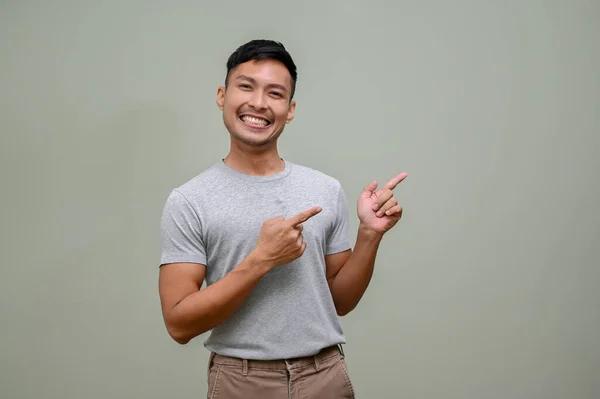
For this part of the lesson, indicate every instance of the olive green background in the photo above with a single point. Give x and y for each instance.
(488, 287)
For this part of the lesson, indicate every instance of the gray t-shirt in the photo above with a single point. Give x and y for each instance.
(215, 218)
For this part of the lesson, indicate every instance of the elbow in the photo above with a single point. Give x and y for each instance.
(342, 308)
(181, 340)
(178, 335)
(343, 311)
(184, 334)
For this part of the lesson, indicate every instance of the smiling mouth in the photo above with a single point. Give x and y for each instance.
(253, 121)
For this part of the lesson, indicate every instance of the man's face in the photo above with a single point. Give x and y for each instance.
(256, 103)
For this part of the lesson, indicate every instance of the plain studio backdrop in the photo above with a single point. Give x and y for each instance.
(488, 287)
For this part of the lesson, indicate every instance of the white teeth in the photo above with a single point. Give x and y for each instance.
(254, 121)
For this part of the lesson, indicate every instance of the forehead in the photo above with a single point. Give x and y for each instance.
(264, 72)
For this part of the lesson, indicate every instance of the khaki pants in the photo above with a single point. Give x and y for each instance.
(323, 376)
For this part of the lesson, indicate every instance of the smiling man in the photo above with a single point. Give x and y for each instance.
(270, 238)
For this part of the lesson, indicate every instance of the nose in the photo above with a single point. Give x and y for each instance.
(257, 100)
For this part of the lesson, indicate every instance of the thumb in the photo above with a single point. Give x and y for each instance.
(370, 189)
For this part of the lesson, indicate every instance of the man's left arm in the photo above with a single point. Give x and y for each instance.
(349, 272)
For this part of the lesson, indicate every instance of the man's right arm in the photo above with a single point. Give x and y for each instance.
(189, 311)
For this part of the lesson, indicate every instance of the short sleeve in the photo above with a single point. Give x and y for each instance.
(338, 240)
(181, 232)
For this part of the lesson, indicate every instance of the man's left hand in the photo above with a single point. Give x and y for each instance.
(379, 210)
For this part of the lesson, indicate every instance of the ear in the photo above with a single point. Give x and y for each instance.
(291, 111)
(221, 97)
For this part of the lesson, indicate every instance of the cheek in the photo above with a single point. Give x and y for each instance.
(230, 108)
(233, 99)
(281, 113)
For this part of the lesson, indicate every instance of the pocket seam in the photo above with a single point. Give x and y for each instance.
(215, 389)
(347, 376)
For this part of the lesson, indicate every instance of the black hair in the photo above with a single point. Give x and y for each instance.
(262, 49)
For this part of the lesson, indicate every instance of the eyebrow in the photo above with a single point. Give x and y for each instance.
(253, 81)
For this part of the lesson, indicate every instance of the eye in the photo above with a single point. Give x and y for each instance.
(276, 94)
(244, 86)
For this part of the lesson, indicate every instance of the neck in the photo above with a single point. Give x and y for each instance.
(255, 163)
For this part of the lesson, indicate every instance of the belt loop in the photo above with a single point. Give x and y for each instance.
(244, 367)
(316, 360)
(341, 350)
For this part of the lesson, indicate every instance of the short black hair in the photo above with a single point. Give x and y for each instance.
(262, 49)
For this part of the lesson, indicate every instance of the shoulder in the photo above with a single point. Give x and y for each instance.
(187, 197)
(197, 185)
(316, 177)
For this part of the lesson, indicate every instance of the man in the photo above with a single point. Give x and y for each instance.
(271, 240)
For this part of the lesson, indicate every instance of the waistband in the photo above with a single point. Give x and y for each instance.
(286, 364)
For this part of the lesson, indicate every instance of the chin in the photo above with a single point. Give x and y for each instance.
(252, 139)
(256, 136)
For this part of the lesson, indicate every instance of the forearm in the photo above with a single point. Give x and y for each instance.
(203, 310)
(352, 280)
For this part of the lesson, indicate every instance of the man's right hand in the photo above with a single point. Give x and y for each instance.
(280, 241)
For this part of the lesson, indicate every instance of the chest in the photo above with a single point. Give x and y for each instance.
(231, 226)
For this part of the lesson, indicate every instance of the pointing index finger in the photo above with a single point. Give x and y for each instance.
(393, 182)
(304, 216)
